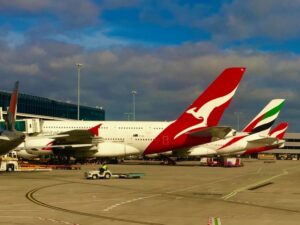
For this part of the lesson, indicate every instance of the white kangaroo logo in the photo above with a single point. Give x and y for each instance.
(203, 112)
(196, 114)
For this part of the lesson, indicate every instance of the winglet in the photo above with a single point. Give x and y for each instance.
(11, 112)
(279, 131)
(95, 130)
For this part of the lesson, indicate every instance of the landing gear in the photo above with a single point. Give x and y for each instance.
(168, 160)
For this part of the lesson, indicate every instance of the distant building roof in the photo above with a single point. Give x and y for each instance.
(36, 105)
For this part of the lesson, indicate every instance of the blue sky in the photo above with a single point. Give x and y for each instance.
(169, 51)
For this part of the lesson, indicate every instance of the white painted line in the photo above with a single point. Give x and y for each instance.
(128, 202)
(252, 185)
(171, 192)
(259, 170)
(182, 189)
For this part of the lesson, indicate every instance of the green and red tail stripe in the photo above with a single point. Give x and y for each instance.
(266, 118)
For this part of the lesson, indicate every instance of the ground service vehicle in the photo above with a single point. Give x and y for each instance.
(95, 174)
(9, 162)
(232, 162)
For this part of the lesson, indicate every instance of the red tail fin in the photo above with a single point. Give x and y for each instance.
(205, 111)
(279, 131)
(12, 110)
(208, 108)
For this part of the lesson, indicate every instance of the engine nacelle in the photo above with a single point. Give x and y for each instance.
(25, 155)
(38, 145)
(109, 149)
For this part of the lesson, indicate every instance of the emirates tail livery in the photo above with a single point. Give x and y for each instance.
(196, 125)
(254, 135)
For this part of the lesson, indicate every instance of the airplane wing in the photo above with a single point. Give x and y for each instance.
(74, 137)
(218, 132)
(37, 148)
(49, 136)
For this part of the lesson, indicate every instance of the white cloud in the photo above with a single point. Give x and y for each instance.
(167, 79)
(22, 69)
(238, 20)
(92, 41)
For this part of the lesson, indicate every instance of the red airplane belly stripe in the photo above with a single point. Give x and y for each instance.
(234, 140)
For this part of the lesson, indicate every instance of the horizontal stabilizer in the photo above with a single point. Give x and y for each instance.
(217, 132)
(265, 141)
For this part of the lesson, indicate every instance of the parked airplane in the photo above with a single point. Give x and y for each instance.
(10, 138)
(196, 125)
(254, 135)
(41, 145)
(275, 140)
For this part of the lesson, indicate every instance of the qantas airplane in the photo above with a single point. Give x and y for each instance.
(10, 138)
(254, 136)
(196, 125)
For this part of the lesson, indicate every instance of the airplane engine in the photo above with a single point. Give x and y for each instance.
(109, 149)
(38, 146)
(25, 155)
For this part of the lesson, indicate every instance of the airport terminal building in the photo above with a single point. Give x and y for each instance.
(292, 145)
(45, 108)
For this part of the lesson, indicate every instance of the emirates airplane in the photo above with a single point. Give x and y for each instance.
(256, 135)
(275, 140)
(196, 125)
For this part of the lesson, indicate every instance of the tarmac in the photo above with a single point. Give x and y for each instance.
(186, 194)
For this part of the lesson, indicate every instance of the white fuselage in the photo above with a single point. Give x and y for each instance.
(119, 138)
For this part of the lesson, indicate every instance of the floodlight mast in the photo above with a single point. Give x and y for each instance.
(79, 66)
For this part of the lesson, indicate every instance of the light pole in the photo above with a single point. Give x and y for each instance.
(78, 65)
(133, 104)
(128, 114)
(238, 117)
